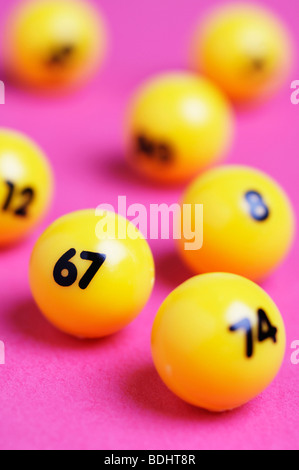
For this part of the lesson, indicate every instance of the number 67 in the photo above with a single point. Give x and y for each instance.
(64, 264)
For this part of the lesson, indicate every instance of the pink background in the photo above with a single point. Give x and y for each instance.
(57, 392)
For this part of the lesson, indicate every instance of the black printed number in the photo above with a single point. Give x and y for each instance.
(246, 326)
(27, 195)
(265, 330)
(61, 55)
(10, 187)
(65, 272)
(258, 209)
(97, 260)
(157, 151)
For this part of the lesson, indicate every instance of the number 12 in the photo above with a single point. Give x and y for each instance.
(27, 195)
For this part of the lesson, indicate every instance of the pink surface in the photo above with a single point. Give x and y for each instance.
(57, 392)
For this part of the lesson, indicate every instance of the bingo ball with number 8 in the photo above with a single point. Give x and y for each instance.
(25, 186)
(218, 341)
(177, 124)
(248, 223)
(91, 274)
(54, 44)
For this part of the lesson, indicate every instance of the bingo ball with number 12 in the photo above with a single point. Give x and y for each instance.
(218, 341)
(91, 274)
(25, 186)
(248, 223)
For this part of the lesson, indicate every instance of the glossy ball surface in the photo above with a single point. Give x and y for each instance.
(26, 186)
(245, 49)
(177, 124)
(54, 44)
(89, 278)
(218, 341)
(248, 222)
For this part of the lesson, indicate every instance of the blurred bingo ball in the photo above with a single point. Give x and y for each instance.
(25, 186)
(177, 124)
(54, 44)
(245, 49)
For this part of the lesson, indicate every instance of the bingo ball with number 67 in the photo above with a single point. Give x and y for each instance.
(25, 186)
(91, 273)
(218, 341)
(248, 223)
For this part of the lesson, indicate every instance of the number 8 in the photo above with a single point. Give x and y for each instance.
(258, 209)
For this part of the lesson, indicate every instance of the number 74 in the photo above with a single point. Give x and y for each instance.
(265, 330)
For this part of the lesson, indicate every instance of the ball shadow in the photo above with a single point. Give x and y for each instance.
(23, 243)
(112, 165)
(146, 390)
(26, 319)
(26, 91)
(170, 270)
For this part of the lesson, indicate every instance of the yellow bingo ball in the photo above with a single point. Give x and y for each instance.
(91, 274)
(177, 124)
(218, 341)
(25, 186)
(245, 49)
(248, 222)
(53, 44)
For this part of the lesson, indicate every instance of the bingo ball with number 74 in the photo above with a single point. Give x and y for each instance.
(218, 341)
(91, 273)
(25, 186)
